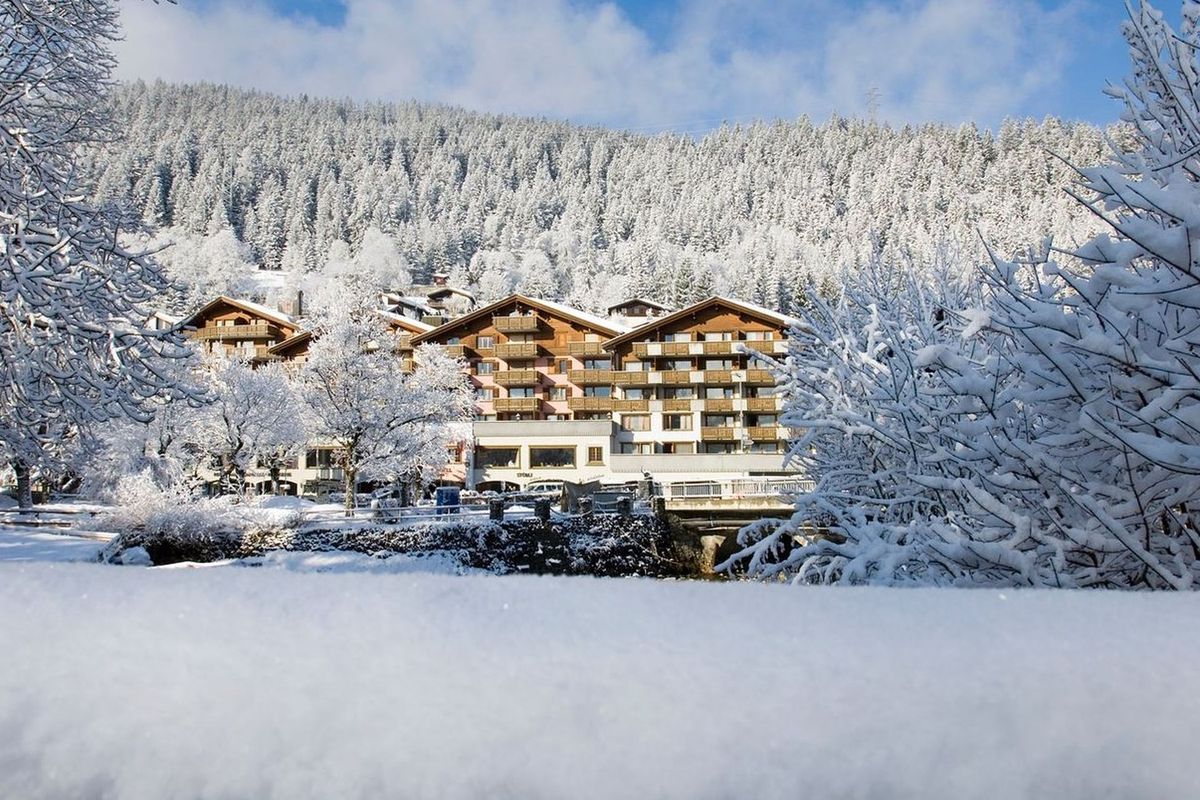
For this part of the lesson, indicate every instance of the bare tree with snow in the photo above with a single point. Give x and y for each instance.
(73, 301)
(385, 423)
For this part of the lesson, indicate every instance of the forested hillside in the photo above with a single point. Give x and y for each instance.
(586, 214)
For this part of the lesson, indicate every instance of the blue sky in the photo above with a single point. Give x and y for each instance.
(654, 65)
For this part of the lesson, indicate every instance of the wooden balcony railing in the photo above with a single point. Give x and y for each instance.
(631, 405)
(765, 433)
(717, 434)
(761, 377)
(517, 323)
(585, 348)
(762, 404)
(516, 377)
(718, 376)
(455, 350)
(515, 350)
(677, 376)
(677, 405)
(630, 378)
(517, 404)
(590, 377)
(590, 403)
(253, 331)
(719, 404)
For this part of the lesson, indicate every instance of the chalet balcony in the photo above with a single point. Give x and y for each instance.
(254, 331)
(676, 405)
(631, 405)
(712, 434)
(760, 377)
(585, 348)
(455, 350)
(407, 365)
(760, 404)
(590, 403)
(765, 433)
(517, 323)
(718, 376)
(677, 376)
(590, 377)
(511, 351)
(404, 341)
(520, 405)
(516, 377)
(724, 404)
(630, 378)
(717, 348)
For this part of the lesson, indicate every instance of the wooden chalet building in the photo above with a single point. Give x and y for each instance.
(239, 327)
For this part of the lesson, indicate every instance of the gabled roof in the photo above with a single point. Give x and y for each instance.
(290, 343)
(407, 323)
(600, 324)
(638, 301)
(761, 312)
(277, 317)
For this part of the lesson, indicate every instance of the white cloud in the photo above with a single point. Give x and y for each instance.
(945, 60)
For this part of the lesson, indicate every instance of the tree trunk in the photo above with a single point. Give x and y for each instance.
(24, 487)
(275, 470)
(351, 485)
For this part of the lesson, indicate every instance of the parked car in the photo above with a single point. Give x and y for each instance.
(544, 488)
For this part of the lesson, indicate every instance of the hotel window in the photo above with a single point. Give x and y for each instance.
(637, 448)
(762, 391)
(484, 367)
(719, 420)
(766, 447)
(485, 342)
(520, 338)
(717, 392)
(720, 447)
(677, 422)
(677, 337)
(679, 448)
(595, 455)
(756, 361)
(485, 393)
(718, 336)
(521, 391)
(555, 457)
(681, 364)
(764, 421)
(718, 363)
(558, 393)
(679, 393)
(597, 391)
(637, 366)
(556, 417)
(597, 363)
(760, 336)
(634, 393)
(636, 422)
(564, 364)
(498, 457)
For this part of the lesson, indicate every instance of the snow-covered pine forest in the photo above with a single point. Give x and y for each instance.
(586, 215)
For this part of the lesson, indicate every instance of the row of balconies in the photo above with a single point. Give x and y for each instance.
(521, 323)
(251, 331)
(760, 433)
(653, 349)
(716, 405)
(605, 377)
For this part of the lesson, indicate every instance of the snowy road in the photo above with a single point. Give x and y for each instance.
(128, 683)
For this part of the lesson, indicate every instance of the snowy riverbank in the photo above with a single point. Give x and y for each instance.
(129, 683)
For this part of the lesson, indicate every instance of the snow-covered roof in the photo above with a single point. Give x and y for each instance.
(750, 308)
(637, 301)
(246, 305)
(591, 319)
(602, 324)
(415, 325)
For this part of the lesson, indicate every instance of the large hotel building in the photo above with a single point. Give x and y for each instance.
(561, 394)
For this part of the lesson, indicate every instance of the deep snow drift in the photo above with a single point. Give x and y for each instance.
(254, 683)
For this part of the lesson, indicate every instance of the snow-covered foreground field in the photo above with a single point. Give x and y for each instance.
(122, 682)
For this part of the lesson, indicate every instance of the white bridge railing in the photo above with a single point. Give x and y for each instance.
(736, 489)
